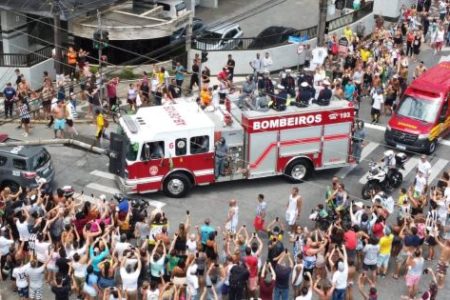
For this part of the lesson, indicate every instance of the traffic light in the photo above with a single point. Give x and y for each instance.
(339, 4)
(100, 39)
(204, 56)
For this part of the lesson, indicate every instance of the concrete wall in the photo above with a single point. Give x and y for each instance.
(283, 56)
(387, 8)
(14, 40)
(33, 74)
(209, 3)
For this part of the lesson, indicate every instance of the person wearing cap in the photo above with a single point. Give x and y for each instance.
(289, 82)
(305, 94)
(325, 94)
(281, 98)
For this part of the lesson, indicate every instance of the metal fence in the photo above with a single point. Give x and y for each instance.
(25, 60)
(271, 40)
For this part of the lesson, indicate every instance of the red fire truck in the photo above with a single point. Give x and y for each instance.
(172, 148)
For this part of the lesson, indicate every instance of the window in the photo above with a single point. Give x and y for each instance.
(230, 34)
(180, 147)
(199, 144)
(19, 164)
(153, 150)
(41, 159)
(165, 6)
(419, 109)
(3, 160)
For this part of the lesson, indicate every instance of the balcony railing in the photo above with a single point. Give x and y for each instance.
(264, 42)
(25, 60)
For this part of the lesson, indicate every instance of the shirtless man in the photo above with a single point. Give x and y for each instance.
(444, 261)
(420, 69)
(325, 292)
(59, 113)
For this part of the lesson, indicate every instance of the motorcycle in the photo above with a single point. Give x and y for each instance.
(383, 178)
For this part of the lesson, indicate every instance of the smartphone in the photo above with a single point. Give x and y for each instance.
(187, 212)
(285, 250)
(276, 219)
(244, 226)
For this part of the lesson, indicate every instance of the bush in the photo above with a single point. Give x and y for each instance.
(93, 69)
(127, 74)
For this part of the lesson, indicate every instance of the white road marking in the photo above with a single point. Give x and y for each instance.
(103, 174)
(343, 172)
(102, 188)
(409, 166)
(437, 168)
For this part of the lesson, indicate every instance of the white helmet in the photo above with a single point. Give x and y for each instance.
(389, 153)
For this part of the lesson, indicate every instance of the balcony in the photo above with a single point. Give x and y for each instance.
(25, 60)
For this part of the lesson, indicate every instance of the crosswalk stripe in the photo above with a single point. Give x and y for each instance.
(103, 174)
(437, 168)
(409, 166)
(102, 188)
(154, 203)
(343, 172)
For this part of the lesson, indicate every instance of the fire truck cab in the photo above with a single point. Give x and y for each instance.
(173, 148)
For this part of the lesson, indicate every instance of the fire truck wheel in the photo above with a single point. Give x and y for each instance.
(177, 185)
(298, 170)
(431, 147)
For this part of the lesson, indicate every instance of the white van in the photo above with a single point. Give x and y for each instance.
(172, 9)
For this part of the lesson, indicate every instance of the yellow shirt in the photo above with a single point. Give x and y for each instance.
(205, 98)
(402, 198)
(365, 54)
(100, 121)
(385, 244)
(348, 33)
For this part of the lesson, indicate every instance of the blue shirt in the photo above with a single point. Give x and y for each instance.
(205, 231)
(349, 90)
(9, 92)
(96, 259)
(179, 75)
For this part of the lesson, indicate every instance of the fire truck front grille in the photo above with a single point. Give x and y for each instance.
(403, 137)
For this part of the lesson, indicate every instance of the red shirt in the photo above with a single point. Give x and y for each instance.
(252, 265)
(377, 230)
(266, 291)
(350, 240)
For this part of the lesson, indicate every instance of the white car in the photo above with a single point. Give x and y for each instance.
(221, 38)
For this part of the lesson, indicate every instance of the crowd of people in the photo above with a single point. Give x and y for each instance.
(120, 249)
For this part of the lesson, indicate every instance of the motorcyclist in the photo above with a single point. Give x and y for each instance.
(389, 160)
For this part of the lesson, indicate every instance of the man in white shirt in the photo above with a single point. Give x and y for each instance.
(130, 276)
(377, 102)
(35, 274)
(419, 183)
(5, 244)
(424, 166)
(340, 276)
(22, 228)
(257, 66)
(267, 62)
(42, 248)
(192, 281)
(121, 246)
(19, 273)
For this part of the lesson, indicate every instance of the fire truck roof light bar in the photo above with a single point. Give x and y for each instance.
(131, 125)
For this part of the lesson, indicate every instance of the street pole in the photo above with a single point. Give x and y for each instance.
(100, 46)
(322, 22)
(57, 37)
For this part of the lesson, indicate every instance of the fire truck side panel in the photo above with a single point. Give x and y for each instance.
(263, 152)
(300, 141)
(336, 144)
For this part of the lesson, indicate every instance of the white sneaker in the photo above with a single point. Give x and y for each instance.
(25, 134)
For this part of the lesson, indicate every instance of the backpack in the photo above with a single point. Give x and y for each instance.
(238, 277)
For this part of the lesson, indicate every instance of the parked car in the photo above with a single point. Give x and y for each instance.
(24, 165)
(172, 9)
(198, 27)
(221, 38)
(273, 35)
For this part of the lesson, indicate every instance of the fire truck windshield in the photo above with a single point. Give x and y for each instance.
(133, 148)
(419, 109)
